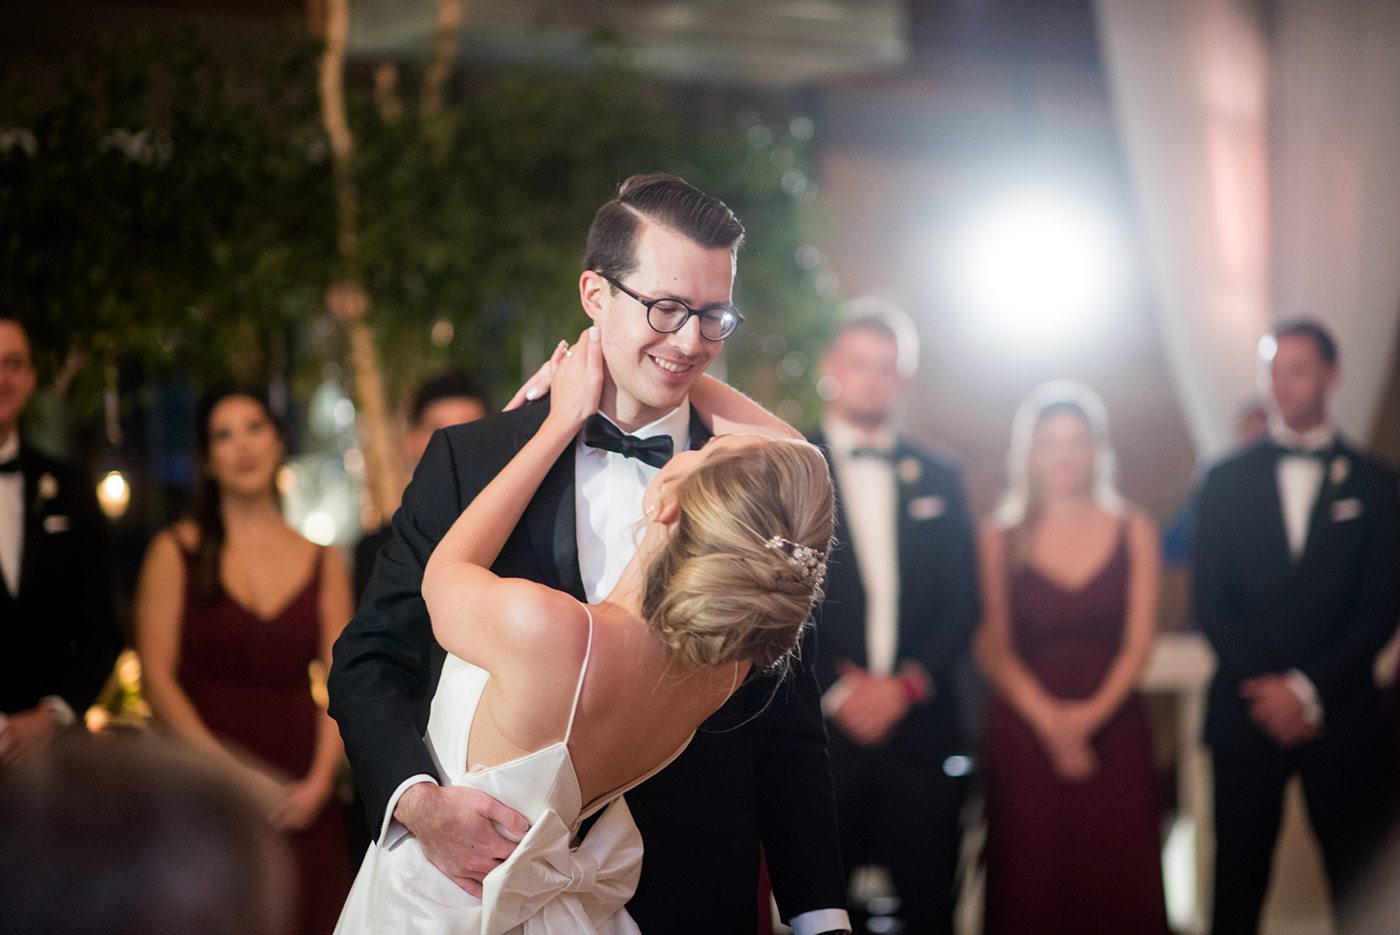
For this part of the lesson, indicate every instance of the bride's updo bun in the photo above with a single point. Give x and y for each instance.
(744, 566)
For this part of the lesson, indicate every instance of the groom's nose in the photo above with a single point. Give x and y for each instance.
(688, 340)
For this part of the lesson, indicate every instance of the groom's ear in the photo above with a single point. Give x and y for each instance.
(591, 288)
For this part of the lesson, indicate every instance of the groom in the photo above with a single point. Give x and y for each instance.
(757, 771)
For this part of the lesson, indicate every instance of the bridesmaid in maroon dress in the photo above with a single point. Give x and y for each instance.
(1070, 576)
(233, 609)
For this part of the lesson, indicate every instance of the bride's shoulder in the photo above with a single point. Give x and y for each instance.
(541, 622)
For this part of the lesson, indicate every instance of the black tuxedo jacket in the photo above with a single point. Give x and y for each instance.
(1326, 614)
(366, 551)
(757, 770)
(59, 632)
(939, 601)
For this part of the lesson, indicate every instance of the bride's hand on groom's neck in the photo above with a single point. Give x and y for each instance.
(576, 382)
(542, 382)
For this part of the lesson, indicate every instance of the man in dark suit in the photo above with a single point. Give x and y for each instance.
(447, 398)
(901, 604)
(1297, 585)
(57, 627)
(756, 771)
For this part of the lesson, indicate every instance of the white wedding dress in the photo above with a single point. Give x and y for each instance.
(550, 883)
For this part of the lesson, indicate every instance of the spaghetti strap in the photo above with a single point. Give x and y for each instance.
(583, 670)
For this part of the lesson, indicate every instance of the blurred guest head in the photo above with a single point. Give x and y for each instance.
(16, 374)
(240, 447)
(128, 836)
(658, 251)
(1059, 448)
(447, 398)
(1251, 422)
(1302, 372)
(872, 356)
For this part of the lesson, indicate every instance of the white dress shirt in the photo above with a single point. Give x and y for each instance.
(870, 501)
(608, 490)
(11, 518)
(1300, 480)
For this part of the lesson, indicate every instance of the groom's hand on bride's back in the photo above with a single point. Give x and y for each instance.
(460, 830)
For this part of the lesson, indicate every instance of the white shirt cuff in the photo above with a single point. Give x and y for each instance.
(392, 829)
(820, 920)
(63, 716)
(836, 696)
(1306, 691)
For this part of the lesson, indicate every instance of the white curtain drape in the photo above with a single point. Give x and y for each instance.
(1334, 149)
(1260, 166)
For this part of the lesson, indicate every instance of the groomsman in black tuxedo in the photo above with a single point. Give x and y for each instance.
(58, 634)
(657, 283)
(901, 604)
(1297, 585)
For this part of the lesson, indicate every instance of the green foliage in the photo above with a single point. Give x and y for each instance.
(168, 208)
(174, 205)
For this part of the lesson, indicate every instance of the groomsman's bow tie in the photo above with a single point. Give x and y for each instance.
(9, 467)
(1292, 451)
(867, 451)
(598, 432)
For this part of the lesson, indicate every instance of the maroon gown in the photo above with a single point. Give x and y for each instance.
(1077, 858)
(247, 677)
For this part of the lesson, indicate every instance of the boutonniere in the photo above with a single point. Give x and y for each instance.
(909, 470)
(930, 507)
(1338, 470)
(45, 490)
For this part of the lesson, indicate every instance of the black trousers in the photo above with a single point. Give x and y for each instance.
(1344, 786)
(904, 814)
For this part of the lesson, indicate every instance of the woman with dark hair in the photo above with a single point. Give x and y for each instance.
(1070, 575)
(233, 610)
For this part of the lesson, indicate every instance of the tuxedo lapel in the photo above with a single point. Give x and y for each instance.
(1322, 505)
(31, 544)
(1271, 505)
(905, 491)
(698, 433)
(844, 541)
(551, 523)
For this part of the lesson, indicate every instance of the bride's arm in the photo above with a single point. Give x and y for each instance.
(726, 411)
(466, 602)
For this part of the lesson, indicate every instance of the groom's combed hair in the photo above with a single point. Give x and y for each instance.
(668, 201)
(715, 593)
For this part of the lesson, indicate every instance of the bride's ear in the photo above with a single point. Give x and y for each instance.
(669, 513)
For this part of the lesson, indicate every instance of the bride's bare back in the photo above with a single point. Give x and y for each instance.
(638, 705)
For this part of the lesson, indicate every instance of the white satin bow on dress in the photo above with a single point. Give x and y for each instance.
(554, 887)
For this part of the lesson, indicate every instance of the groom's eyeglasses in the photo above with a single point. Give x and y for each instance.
(668, 316)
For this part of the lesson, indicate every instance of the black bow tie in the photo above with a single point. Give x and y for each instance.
(866, 451)
(9, 467)
(598, 432)
(1320, 454)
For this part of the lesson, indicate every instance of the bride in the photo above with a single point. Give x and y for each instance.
(557, 708)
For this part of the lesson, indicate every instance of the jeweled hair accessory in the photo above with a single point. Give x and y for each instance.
(809, 562)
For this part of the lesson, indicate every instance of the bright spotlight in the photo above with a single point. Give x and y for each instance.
(319, 528)
(1036, 268)
(113, 495)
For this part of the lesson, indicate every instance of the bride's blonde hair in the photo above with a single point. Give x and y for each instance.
(732, 582)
